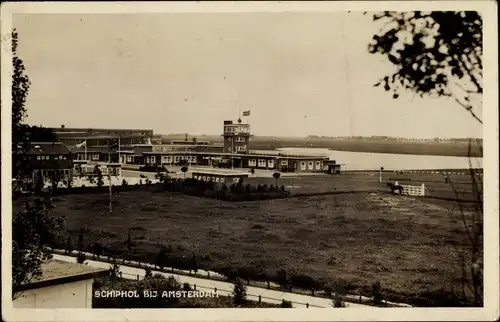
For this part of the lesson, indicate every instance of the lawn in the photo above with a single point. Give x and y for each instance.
(410, 244)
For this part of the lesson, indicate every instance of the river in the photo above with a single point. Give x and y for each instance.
(373, 161)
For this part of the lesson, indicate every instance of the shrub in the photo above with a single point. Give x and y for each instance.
(286, 304)
(115, 269)
(239, 293)
(148, 273)
(186, 287)
(124, 183)
(337, 301)
(80, 258)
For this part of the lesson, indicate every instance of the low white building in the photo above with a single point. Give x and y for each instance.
(62, 285)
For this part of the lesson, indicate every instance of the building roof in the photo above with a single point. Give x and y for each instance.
(86, 129)
(98, 149)
(56, 272)
(47, 148)
(220, 172)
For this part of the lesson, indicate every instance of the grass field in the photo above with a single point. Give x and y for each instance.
(410, 244)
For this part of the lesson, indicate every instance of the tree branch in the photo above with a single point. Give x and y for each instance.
(469, 109)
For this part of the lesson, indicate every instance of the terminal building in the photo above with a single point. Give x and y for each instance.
(136, 147)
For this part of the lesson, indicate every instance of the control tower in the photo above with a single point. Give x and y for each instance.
(236, 137)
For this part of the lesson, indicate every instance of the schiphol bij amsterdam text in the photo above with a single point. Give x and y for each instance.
(153, 294)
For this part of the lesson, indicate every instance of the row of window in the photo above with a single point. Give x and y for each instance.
(270, 163)
(237, 139)
(238, 148)
(48, 157)
(237, 129)
(261, 163)
(310, 165)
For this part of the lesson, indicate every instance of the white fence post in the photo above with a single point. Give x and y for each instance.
(423, 190)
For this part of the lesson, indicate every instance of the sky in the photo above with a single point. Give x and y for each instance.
(298, 73)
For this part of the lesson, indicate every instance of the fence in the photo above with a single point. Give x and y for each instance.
(252, 297)
(413, 190)
(358, 299)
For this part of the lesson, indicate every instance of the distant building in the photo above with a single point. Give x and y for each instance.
(47, 157)
(100, 137)
(63, 285)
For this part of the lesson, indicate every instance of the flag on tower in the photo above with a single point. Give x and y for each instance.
(246, 113)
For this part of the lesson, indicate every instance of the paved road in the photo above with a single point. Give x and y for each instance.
(268, 296)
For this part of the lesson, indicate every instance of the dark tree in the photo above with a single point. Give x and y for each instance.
(69, 246)
(377, 292)
(438, 53)
(148, 273)
(33, 228)
(162, 258)
(97, 249)
(80, 258)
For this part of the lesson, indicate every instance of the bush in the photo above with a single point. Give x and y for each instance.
(286, 304)
(186, 287)
(337, 301)
(80, 258)
(124, 183)
(148, 273)
(239, 293)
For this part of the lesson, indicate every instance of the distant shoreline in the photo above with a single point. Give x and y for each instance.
(366, 145)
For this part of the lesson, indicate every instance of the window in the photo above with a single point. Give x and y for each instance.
(302, 165)
(284, 162)
(310, 165)
(252, 163)
(64, 158)
(38, 157)
(270, 163)
(262, 162)
(95, 156)
(153, 159)
(318, 165)
(129, 158)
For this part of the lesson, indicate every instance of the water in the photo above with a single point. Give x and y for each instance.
(373, 161)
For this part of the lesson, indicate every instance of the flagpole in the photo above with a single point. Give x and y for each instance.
(119, 155)
(109, 176)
